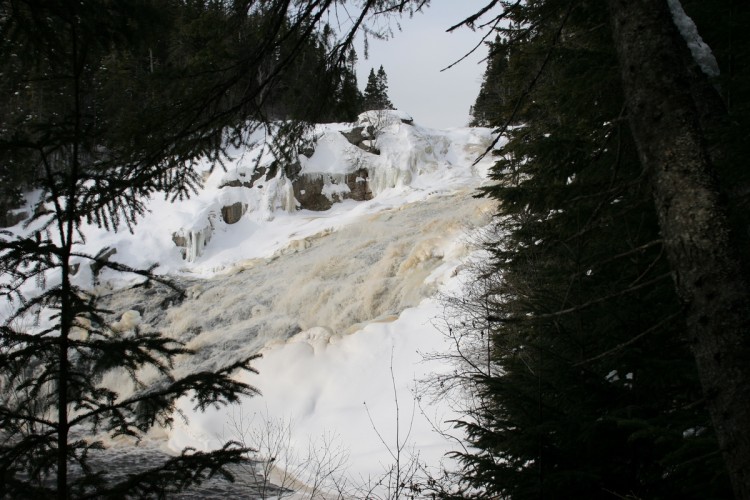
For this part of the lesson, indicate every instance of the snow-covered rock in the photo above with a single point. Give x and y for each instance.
(358, 161)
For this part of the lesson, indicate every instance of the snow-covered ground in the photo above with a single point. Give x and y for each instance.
(341, 303)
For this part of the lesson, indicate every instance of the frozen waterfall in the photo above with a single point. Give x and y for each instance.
(340, 302)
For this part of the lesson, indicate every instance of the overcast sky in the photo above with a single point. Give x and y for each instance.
(413, 58)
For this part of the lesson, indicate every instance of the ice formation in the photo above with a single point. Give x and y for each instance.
(340, 301)
(395, 154)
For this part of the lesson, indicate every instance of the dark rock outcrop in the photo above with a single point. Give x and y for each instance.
(359, 185)
(248, 183)
(308, 189)
(358, 137)
(233, 213)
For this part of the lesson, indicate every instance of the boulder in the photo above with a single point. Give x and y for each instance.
(320, 191)
(359, 185)
(233, 213)
(361, 137)
(308, 190)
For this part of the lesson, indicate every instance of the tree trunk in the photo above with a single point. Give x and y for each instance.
(707, 270)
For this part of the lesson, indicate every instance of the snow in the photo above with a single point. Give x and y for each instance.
(700, 50)
(342, 303)
(333, 155)
(415, 162)
(327, 384)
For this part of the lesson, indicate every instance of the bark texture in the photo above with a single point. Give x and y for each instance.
(707, 269)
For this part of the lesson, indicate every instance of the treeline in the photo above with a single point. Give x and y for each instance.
(159, 65)
(578, 350)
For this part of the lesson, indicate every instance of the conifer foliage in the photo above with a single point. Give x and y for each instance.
(376, 91)
(65, 63)
(586, 386)
(492, 95)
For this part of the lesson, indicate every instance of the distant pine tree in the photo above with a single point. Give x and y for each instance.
(350, 98)
(382, 84)
(371, 99)
(376, 91)
(492, 95)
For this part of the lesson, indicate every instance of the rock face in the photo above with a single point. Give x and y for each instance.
(320, 192)
(360, 185)
(309, 193)
(248, 183)
(232, 213)
(191, 242)
(362, 138)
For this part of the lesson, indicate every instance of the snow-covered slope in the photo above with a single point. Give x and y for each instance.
(341, 302)
(413, 163)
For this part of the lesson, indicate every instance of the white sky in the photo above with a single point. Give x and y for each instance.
(413, 58)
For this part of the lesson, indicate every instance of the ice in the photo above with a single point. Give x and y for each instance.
(341, 303)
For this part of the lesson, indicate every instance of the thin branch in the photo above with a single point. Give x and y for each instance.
(469, 21)
(470, 52)
(631, 341)
(374, 427)
(503, 130)
(585, 305)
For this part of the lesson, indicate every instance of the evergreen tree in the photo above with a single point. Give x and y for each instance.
(591, 389)
(57, 347)
(370, 97)
(492, 97)
(350, 98)
(318, 88)
(382, 86)
(376, 91)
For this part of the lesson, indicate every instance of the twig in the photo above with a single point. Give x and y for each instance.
(631, 341)
(502, 130)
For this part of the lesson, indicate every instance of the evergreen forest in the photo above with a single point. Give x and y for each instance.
(587, 385)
